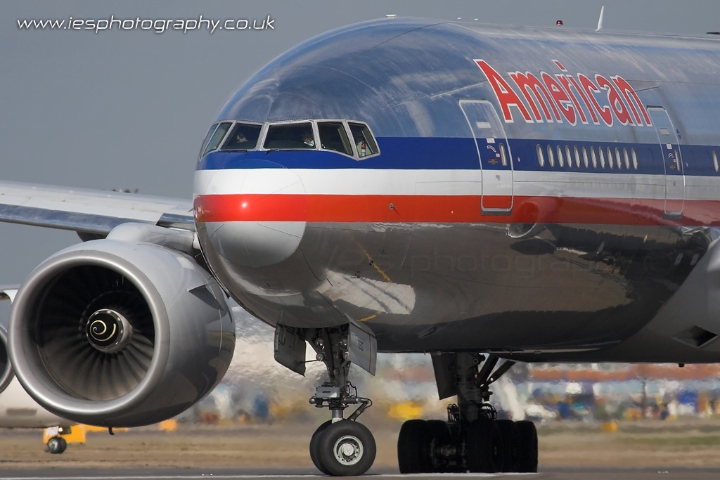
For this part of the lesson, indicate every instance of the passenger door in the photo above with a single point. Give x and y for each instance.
(494, 155)
(672, 160)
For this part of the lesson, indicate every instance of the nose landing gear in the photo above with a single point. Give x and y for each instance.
(472, 438)
(341, 446)
(344, 448)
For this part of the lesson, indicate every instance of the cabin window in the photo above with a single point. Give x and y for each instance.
(541, 158)
(290, 136)
(334, 137)
(551, 156)
(594, 157)
(561, 160)
(634, 158)
(568, 155)
(363, 139)
(585, 158)
(715, 161)
(243, 136)
(217, 137)
(577, 156)
(626, 156)
(617, 158)
(602, 157)
(611, 164)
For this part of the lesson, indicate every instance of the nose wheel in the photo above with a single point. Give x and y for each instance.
(344, 448)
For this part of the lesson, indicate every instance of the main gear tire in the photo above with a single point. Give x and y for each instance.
(511, 444)
(413, 447)
(528, 447)
(484, 451)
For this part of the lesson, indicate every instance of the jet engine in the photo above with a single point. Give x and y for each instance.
(6, 370)
(120, 334)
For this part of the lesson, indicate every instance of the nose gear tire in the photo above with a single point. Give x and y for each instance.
(345, 448)
(314, 445)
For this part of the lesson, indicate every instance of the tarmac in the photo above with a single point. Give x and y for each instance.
(303, 474)
(638, 451)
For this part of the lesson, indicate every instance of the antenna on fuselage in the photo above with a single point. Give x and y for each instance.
(600, 20)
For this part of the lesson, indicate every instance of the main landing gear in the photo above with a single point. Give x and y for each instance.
(341, 446)
(473, 438)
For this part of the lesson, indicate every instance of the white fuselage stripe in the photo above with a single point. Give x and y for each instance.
(450, 182)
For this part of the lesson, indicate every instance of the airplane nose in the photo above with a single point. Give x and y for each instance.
(253, 217)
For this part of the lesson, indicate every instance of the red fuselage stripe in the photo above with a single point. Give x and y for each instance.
(449, 209)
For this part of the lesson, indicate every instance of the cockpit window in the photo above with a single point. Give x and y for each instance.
(330, 135)
(334, 137)
(364, 141)
(293, 136)
(207, 138)
(243, 136)
(217, 137)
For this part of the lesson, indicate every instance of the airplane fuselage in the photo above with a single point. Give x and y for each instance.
(543, 194)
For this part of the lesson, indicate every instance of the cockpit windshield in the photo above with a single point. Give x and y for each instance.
(217, 137)
(333, 137)
(338, 136)
(364, 141)
(290, 136)
(207, 139)
(243, 136)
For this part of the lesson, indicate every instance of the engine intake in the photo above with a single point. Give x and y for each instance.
(117, 334)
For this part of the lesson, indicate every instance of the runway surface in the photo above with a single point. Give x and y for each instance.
(568, 451)
(304, 474)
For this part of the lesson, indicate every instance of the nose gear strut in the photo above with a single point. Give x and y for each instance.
(341, 446)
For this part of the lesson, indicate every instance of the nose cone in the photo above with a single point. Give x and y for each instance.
(253, 217)
(255, 244)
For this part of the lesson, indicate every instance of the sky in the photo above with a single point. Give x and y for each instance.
(129, 109)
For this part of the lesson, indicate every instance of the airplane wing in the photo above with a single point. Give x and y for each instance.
(94, 212)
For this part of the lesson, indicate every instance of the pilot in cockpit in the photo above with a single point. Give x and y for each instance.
(308, 140)
(361, 148)
(240, 139)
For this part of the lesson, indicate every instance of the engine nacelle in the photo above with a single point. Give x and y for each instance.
(120, 334)
(6, 370)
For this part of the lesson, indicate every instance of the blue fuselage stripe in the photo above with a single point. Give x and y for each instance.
(429, 153)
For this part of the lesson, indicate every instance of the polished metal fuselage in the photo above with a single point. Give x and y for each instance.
(577, 269)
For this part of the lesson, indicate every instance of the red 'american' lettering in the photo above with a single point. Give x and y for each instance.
(565, 98)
